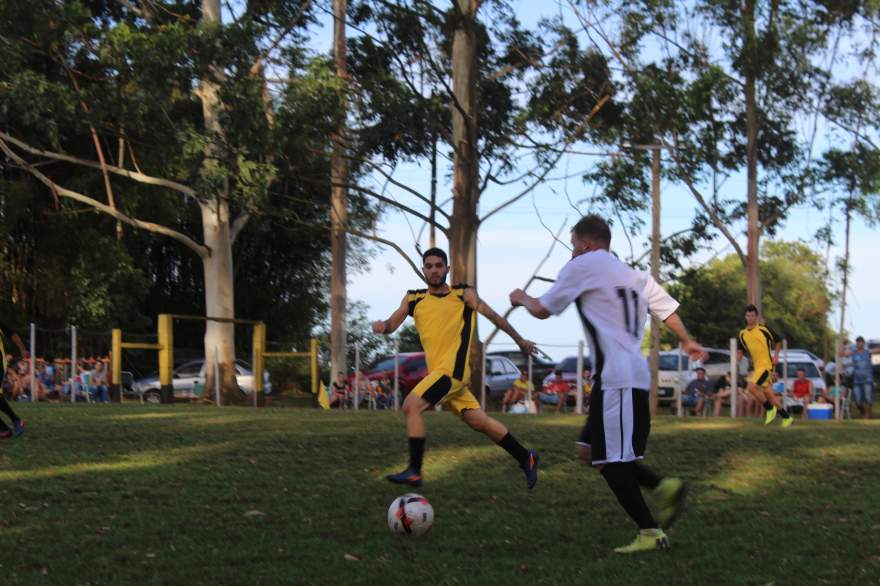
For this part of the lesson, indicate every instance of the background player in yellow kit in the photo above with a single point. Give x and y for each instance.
(759, 341)
(445, 318)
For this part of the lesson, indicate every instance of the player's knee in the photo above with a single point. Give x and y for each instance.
(476, 420)
(413, 405)
(619, 474)
(585, 453)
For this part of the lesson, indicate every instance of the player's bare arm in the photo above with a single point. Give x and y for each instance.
(518, 297)
(473, 300)
(695, 350)
(392, 323)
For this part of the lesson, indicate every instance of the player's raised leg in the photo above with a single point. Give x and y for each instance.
(478, 420)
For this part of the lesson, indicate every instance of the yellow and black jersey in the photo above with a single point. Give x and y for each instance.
(445, 324)
(758, 342)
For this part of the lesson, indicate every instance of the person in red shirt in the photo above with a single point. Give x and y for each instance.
(558, 387)
(802, 390)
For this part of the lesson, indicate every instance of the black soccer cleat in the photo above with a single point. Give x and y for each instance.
(408, 476)
(531, 469)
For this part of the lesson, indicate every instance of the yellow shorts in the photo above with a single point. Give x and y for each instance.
(760, 376)
(440, 387)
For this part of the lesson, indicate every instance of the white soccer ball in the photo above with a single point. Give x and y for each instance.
(410, 514)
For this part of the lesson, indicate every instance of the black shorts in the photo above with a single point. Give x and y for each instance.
(618, 425)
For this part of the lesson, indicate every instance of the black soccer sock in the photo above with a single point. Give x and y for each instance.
(3, 427)
(768, 405)
(4, 406)
(785, 414)
(621, 478)
(416, 453)
(515, 449)
(646, 477)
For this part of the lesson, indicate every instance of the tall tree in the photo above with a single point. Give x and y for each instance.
(339, 203)
(180, 93)
(731, 108)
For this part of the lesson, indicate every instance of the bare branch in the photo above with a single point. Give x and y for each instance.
(201, 250)
(136, 176)
(531, 280)
(238, 225)
(391, 244)
(390, 179)
(392, 202)
(713, 216)
(551, 166)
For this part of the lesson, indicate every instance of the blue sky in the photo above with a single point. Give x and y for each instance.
(513, 242)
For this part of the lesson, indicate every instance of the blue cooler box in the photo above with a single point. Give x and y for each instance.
(820, 411)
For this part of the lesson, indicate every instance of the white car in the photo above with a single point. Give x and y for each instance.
(796, 360)
(188, 381)
(716, 365)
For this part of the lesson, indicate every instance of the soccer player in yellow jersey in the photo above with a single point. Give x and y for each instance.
(759, 341)
(445, 317)
(17, 422)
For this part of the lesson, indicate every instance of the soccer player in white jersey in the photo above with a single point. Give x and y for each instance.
(613, 300)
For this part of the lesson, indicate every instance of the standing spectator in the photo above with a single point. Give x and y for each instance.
(863, 378)
(696, 392)
(802, 390)
(517, 391)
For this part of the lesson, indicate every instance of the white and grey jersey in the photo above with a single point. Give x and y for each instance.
(613, 300)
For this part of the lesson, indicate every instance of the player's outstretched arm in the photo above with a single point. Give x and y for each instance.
(474, 301)
(518, 297)
(664, 307)
(392, 323)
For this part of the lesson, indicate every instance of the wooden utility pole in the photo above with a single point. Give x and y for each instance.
(655, 272)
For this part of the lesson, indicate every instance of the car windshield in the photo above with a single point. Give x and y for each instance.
(570, 364)
(670, 362)
(793, 367)
(386, 363)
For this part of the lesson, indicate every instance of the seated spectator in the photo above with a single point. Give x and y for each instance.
(517, 391)
(830, 393)
(802, 390)
(385, 392)
(47, 380)
(588, 387)
(555, 392)
(697, 390)
(98, 387)
(11, 382)
(722, 394)
(338, 391)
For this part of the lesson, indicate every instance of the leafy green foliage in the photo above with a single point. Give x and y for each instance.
(796, 299)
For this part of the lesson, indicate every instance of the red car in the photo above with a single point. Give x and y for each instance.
(411, 368)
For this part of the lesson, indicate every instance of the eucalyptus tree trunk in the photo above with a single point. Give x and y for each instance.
(466, 165)
(338, 208)
(219, 288)
(753, 275)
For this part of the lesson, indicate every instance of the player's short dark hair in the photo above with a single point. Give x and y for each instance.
(436, 252)
(750, 308)
(593, 227)
(699, 368)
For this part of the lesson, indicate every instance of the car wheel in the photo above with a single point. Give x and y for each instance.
(152, 396)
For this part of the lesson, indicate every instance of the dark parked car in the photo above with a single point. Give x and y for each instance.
(542, 365)
(411, 368)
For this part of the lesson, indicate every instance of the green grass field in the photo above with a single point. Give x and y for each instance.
(101, 494)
